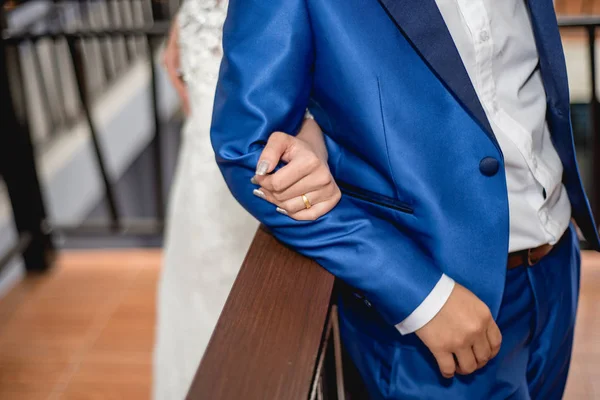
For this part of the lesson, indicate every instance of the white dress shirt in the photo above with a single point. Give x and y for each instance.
(496, 43)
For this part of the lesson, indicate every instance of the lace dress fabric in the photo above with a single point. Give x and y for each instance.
(208, 233)
(200, 34)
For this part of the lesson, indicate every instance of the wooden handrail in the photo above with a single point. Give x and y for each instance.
(266, 342)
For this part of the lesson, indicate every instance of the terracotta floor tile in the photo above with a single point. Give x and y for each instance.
(116, 368)
(116, 357)
(147, 279)
(126, 336)
(64, 309)
(13, 300)
(27, 377)
(87, 282)
(25, 352)
(109, 259)
(11, 393)
(107, 391)
(96, 273)
(50, 336)
(136, 307)
(55, 321)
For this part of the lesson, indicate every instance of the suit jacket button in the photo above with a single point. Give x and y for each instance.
(489, 166)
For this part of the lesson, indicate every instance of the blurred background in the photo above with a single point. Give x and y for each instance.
(89, 136)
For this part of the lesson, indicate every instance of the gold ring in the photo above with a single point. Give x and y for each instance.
(306, 202)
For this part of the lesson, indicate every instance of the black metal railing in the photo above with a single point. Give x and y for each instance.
(43, 69)
(118, 45)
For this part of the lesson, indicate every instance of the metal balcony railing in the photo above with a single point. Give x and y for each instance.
(82, 46)
(42, 70)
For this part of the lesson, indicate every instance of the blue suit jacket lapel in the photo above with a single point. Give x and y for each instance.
(421, 22)
(552, 58)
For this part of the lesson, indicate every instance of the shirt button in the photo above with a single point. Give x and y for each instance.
(484, 36)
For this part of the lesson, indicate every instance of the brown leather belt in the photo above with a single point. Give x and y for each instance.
(528, 257)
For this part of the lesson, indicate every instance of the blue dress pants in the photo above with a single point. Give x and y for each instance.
(536, 318)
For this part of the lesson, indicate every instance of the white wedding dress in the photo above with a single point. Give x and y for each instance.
(208, 232)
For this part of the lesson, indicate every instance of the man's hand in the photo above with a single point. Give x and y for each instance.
(463, 336)
(171, 61)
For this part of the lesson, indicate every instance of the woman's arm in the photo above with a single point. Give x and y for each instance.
(312, 134)
(172, 63)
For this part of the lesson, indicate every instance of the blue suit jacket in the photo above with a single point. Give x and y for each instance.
(409, 143)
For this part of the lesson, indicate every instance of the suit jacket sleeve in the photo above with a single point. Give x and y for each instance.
(264, 86)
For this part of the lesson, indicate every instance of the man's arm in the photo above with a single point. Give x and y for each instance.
(263, 87)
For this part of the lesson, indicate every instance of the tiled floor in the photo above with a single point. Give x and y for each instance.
(85, 331)
(584, 380)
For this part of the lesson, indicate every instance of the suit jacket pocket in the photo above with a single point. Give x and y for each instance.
(373, 198)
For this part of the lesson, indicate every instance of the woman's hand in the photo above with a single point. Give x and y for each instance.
(172, 63)
(303, 189)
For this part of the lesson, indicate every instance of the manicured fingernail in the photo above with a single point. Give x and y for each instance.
(253, 180)
(281, 211)
(262, 167)
(259, 193)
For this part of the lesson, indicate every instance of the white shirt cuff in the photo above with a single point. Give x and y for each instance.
(429, 308)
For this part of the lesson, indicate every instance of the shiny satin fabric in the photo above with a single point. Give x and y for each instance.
(407, 144)
(537, 318)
